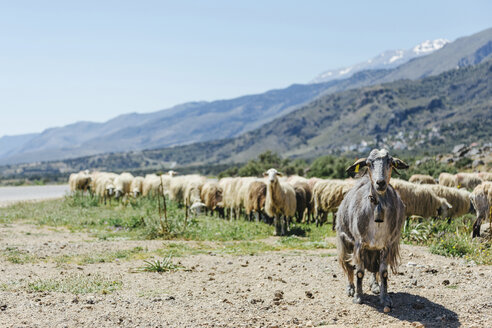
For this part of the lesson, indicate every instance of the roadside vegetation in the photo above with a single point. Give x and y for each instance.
(451, 239)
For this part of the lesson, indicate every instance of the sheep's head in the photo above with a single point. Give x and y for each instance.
(172, 173)
(118, 193)
(110, 188)
(136, 192)
(378, 165)
(271, 175)
(443, 210)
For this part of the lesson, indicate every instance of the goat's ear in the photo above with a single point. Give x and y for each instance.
(354, 168)
(280, 174)
(265, 174)
(399, 164)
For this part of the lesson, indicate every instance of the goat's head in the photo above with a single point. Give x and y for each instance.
(172, 173)
(378, 165)
(272, 175)
(136, 192)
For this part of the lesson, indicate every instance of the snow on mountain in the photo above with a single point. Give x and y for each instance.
(387, 59)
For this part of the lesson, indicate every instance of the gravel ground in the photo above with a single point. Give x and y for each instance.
(273, 289)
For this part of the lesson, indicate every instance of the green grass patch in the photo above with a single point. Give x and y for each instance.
(76, 284)
(164, 265)
(17, 256)
(449, 239)
(104, 257)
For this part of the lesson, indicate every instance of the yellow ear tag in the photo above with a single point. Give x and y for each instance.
(459, 186)
(357, 168)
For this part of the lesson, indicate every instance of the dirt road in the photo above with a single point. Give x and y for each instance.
(9, 195)
(273, 289)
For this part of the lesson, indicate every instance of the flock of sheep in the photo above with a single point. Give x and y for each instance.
(368, 212)
(278, 200)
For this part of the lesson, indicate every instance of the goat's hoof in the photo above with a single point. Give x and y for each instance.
(375, 288)
(357, 299)
(387, 303)
(350, 290)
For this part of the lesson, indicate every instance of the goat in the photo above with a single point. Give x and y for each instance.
(369, 222)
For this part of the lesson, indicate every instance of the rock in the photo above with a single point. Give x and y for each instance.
(309, 294)
(386, 309)
(3, 307)
(411, 264)
(279, 294)
(445, 282)
(414, 282)
(477, 162)
(458, 148)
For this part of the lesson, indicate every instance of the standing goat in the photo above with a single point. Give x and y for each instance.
(369, 222)
(280, 202)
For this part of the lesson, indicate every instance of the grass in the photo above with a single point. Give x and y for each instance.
(72, 283)
(449, 239)
(104, 257)
(139, 219)
(17, 256)
(164, 265)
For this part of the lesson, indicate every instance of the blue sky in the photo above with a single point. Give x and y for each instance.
(66, 61)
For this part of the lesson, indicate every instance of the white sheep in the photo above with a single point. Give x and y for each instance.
(136, 188)
(481, 198)
(280, 201)
(122, 184)
(420, 200)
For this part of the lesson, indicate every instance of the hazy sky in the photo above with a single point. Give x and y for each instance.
(66, 61)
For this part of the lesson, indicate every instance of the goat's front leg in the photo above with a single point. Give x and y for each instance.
(359, 271)
(383, 275)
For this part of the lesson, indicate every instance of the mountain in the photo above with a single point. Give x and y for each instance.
(183, 124)
(203, 121)
(385, 60)
(428, 115)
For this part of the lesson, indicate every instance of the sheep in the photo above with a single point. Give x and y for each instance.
(242, 187)
(229, 187)
(136, 188)
(122, 184)
(468, 180)
(448, 180)
(280, 201)
(81, 181)
(481, 198)
(422, 179)
(192, 191)
(458, 198)
(328, 195)
(71, 182)
(302, 200)
(151, 185)
(178, 187)
(211, 196)
(166, 181)
(255, 200)
(485, 176)
(369, 222)
(420, 200)
(105, 187)
(293, 179)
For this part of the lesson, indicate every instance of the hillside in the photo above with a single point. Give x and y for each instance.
(423, 116)
(183, 124)
(205, 121)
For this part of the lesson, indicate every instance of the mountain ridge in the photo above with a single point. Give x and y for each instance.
(202, 121)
